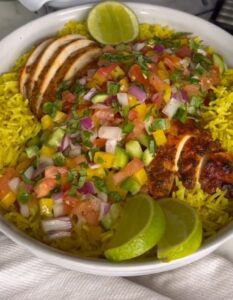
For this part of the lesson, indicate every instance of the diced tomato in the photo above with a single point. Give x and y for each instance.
(135, 74)
(191, 89)
(52, 172)
(68, 100)
(184, 52)
(133, 114)
(131, 168)
(103, 115)
(99, 142)
(209, 80)
(172, 62)
(157, 83)
(138, 129)
(4, 180)
(89, 210)
(106, 71)
(157, 99)
(44, 187)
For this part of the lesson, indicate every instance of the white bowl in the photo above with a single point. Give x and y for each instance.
(20, 40)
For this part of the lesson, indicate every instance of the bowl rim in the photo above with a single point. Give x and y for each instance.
(101, 266)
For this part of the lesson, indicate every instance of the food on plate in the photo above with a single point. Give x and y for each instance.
(135, 142)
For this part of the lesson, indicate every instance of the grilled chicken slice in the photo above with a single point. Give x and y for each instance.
(45, 58)
(193, 157)
(163, 168)
(217, 172)
(59, 60)
(31, 60)
(70, 70)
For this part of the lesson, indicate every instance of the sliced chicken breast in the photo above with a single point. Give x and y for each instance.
(49, 52)
(31, 60)
(60, 60)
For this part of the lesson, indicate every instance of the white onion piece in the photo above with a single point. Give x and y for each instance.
(171, 107)
(83, 80)
(94, 166)
(90, 94)
(75, 151)
(138, 46)
(29, 172)
(14, 184)
(94, 136)
(123, 99)
(110, 132)
(201, 51)
(102, 196)
(24, 210)
(110, 146)
(59, 235)
(58, 210)
(46, 160)
(57, 197)
(58, 224)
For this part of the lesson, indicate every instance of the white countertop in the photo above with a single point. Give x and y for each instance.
(13, 15)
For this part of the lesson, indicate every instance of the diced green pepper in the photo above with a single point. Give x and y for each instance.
(113, 88)
(110, 218)
(99, 98)
(219, 62)
(32, 151)
(133, 148)
(56, 137)
(147, 157)
(131, 186)
(121, 158)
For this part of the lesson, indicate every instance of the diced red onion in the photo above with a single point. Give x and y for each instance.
(24, 210)
(58, 210)
(56, 224)
(59, 235)
(123, 99)
(110, 146)
(138, 46)
(102, 196)
(83, 80)
(184, 95)
(159, 48)
(86, 123)
(14, 184)
(57, 197)
(138, 93)
(65, 142)
(90, 94)
(29, 173)
(110, 132)
(171, 107)
(88, 188)
(104, 208)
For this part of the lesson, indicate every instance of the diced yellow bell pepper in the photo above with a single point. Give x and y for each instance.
(60, 117)
(209, 50)
(46, 207)
(97, 80)
(132, 100)
(162, 74)
(104, 159)
(47, 151)
(46, 122)
(112, 187)
(160, 137)
(167, 93)
(124, 85)
(117, 72)
(141, 176)
(183, 41)
(98, 172)
(8, 200)
(141, 109)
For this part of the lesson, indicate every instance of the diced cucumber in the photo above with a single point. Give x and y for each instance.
(147, 157)
(134, 149)
(121, 158)
(131, 186)
(144, 139)
(110, 218)
(99, 98)
(32, 151)
(56, 137)
(219, 62)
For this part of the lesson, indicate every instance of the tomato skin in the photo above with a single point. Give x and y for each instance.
(4, 180)
(68, 100)
(44, 187)
(106, 71)
(184, 52)
(135, 74)
(172, 62)
(98, 142)
(89, 210)
(191, 89)
(52, 172)
(157, 83)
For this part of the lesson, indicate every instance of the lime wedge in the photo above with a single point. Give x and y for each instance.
(111, 22)
(183, 234)
(140, 227)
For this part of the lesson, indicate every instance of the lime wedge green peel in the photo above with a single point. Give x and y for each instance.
(139, 228)
(183, 234)
(112, 23)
